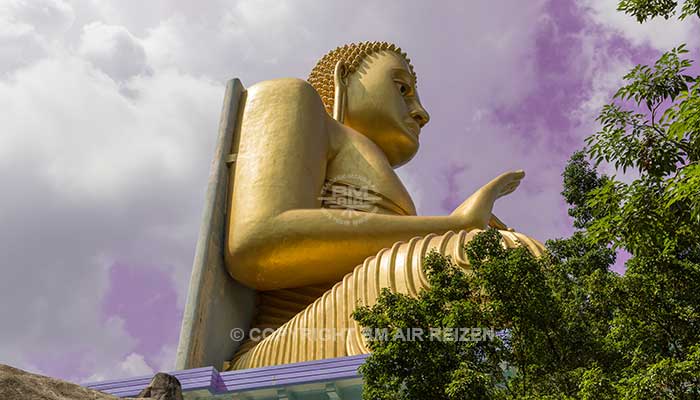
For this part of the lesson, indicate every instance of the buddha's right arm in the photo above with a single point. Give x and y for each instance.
(278, 236)
(306, 247)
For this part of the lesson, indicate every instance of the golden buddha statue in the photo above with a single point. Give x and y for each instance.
(359, 115)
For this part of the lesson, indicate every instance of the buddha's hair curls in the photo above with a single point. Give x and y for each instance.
(322, 75)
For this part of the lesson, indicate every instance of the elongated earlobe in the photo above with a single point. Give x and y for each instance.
(340, 96)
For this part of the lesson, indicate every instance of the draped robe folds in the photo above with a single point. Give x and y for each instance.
(314, 322)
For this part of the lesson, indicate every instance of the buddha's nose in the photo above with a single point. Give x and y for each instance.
(420, 115)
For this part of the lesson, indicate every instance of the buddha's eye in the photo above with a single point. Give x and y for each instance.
(404, 88)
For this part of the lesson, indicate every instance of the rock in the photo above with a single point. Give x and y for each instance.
(162, 387)
(16, 384)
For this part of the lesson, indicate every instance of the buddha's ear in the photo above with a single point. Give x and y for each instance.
(340, 83)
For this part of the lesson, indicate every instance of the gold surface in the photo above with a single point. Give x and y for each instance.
(324, 329)
(283, 237)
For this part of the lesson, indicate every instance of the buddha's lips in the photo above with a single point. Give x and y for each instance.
(413, 127)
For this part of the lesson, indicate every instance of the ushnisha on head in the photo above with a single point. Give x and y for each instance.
(371, 87)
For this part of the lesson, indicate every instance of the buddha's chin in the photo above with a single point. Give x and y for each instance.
(402, 149)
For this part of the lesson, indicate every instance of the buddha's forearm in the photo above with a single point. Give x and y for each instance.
(305, 247)
(383, 229)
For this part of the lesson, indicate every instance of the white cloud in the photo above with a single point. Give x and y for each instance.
(20, 43)
(135, 365)
(49, 18)
(659, 33)
(99, 163)
(132, 365)
(165, 360)
(92, 141)
(113, 49)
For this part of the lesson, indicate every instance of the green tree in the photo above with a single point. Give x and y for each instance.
(424, 368)
(551, 313)
(569, 328)
(648, 9)
(656, 218)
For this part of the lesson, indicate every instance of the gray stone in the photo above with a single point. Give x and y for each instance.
(162, 387)
(16, 384)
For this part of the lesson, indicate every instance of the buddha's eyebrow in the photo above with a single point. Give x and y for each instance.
(403, 74)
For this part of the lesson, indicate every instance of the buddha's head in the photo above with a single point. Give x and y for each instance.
(371, 87)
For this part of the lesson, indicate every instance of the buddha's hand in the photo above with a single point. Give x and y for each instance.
(476, 211)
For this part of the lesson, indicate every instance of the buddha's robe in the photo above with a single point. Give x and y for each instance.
(314, 322)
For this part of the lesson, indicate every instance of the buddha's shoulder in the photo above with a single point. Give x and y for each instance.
(286, 88)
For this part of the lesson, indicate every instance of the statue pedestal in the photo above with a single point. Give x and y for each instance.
(333, 378)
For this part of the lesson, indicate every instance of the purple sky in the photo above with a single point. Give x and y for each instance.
(110, 109)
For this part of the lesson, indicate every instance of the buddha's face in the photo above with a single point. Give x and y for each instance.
(383, 104)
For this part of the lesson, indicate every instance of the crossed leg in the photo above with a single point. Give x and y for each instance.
(325, 329)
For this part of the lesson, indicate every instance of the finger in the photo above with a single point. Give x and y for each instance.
(513, 184)
(515, 177)
(520, 173)
(510, 188)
